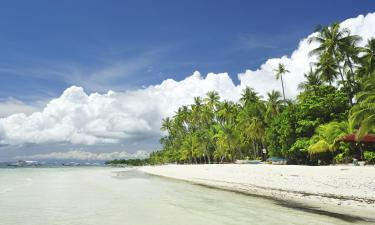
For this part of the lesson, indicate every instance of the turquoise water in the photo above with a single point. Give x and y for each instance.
(103, 196)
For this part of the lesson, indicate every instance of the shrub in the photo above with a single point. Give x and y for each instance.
(369, 157)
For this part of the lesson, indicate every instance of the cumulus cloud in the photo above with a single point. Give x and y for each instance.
(79, 118)
(88, 156)
(263, 79)
(87, 119)
(12, 106)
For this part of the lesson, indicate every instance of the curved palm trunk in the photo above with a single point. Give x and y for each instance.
(342, 78)
(282, 85)
(350, 81)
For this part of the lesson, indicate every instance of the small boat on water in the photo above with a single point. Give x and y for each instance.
(24, 163)
(71, 164)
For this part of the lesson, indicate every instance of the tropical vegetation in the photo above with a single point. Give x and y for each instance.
(337, 98)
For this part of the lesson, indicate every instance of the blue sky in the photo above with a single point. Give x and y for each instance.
(46, 47)
(48, 50)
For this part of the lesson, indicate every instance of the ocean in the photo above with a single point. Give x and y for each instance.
(120, 196)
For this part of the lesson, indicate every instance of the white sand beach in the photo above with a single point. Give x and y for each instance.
(347, 190)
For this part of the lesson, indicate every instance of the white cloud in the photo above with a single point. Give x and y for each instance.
(263, 79)
(87, 156)
(12, 106)
(78, 118)
(124, 117)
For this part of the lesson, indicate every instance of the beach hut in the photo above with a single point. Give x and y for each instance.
(366, 143)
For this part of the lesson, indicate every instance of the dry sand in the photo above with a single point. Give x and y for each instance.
(346, 190)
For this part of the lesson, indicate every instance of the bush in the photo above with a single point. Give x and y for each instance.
(344, 155)
(320, 151)
(369, 157)
(297, 154)
(343, 158)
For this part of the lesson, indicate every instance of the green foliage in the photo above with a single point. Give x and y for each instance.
(298, 153)
(281, 134)
(129, 162)
(369, 157)
(303, 131)
(319, 147)
(326, 103)
(362, 115)
(325, 142)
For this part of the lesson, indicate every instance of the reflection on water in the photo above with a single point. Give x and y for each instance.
(106, 196)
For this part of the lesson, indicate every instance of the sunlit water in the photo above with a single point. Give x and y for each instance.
(102, 196)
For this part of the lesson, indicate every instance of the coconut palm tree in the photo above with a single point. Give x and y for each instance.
(279, 75)
(367, 59)
(212, 98)
(339, 44)
(326, 68)
(312, 80)
(212, 101)
(325, 141)
(362, 115)
(166, 125)
(331, 39)
(249, 96)
(273, 105)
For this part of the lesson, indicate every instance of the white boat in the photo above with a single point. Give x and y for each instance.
(71, 164)
(23, 163)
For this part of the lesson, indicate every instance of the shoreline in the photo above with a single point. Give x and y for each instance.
(338, 191)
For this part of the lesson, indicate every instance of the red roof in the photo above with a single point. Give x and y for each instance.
(369, 138)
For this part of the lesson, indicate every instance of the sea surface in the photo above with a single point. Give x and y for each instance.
(112, 196)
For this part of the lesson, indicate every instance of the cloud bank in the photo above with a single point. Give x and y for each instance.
(12, 106)
(87, 156)
(263, 79)
(79, 118)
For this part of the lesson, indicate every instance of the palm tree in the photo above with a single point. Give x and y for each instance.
(337, 43)
(362, 115)
(279, 75)
(249, 96)
(367, 59)
(326, 68)
(212, 98)
(326, 139)
(166, 125)
(312, 80)
(273, 105)
(331, 39)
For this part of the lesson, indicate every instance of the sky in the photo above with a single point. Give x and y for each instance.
(93, 79)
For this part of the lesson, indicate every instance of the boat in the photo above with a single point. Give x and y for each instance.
(24, 163)
(71, 164)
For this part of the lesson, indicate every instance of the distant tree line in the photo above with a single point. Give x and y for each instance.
(129, 162)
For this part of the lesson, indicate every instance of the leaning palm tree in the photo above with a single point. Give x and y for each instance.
(362, 115)
(279, 75)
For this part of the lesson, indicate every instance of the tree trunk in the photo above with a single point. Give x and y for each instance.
(350, 83)
(282, 85)
(342, 79)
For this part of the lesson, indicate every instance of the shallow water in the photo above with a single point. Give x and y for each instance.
(80, 196)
